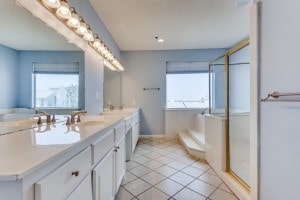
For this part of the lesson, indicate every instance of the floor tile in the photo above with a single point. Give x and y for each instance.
(187, 194)
(131, 164)
(166, 171)
(173, 155)
(162, 151)
(169, 187)
(211, 171)
(141, 159)
(137, 186)
(141, 150)
(123, 194)
(153, 155)
(164, 159)
(211, 179)
(162, 169)
(187, 160)
(181, 178)
(177, 165)
(153, 164)
(128, 178)
(201, 165)
(192, 171)
(153, 194)
(202, 187)
(140, 170)
(135, 155)
(225, 188)
(222, 195)
(153, 178)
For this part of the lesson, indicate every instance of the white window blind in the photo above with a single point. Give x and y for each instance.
(186, 67)
(56, 68)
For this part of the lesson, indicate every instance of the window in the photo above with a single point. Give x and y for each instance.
(187, 85)
(56, 85)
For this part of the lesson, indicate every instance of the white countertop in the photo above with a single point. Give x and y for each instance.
(24, 152)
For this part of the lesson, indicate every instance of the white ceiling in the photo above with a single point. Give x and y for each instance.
(183, 24)
(21, 31)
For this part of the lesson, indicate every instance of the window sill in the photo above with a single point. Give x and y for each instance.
(184, 109)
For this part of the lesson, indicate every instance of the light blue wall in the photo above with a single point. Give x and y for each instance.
(279, 70)
(8, 77)
(85, 9)
(25, 83)
(148, 69)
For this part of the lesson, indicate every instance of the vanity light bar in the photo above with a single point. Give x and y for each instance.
(69, 16)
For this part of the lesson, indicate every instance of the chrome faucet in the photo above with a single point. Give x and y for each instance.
(111, 107)
(73, 115)
(204, 110)
(44, 113)
(121, 107)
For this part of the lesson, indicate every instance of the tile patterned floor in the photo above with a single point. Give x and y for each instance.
(162, 170)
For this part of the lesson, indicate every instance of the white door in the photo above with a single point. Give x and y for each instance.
(103, 178)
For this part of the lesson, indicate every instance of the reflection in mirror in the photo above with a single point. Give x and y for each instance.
(217, 86)
(24, 42)
(112, 88)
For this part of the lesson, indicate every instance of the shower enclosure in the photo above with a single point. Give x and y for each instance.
(230, 97)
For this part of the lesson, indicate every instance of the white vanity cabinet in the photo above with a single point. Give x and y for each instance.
(120, 164)
(103, 178)
(60, 183)
(109, 172)
(135, 123)
(83, 191)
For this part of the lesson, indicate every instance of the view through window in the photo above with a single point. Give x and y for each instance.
(187, 90)
(56, 90)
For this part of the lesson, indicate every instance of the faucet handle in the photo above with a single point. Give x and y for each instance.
(68, 121)
(78, 118)
(53, 119)
(39, 122)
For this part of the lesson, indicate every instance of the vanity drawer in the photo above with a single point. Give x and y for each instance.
(102, 146)
(61, 181)
(119, 131)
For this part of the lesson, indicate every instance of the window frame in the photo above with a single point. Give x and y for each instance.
(187, 72)
(34, 97)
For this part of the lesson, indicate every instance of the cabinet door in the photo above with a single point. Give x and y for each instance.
(135, 135)
(83, 191)
(103, 178)
(120, 150)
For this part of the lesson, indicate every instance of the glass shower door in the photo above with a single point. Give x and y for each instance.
(239, 114)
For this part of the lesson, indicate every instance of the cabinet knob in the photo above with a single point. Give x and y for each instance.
(76, 173)
(115, 150)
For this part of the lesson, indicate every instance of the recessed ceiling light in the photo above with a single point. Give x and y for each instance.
(160, 40)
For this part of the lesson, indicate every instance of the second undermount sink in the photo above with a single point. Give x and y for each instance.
(91, 121)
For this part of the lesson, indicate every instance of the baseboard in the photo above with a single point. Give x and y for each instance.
(158, 137)
(237, 189)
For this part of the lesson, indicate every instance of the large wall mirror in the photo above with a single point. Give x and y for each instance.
(112, 88)
(26, 45)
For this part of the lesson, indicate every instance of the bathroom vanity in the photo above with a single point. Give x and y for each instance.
(85, 160)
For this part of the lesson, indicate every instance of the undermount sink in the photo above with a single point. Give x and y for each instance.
(90, 123)
(17, 125)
